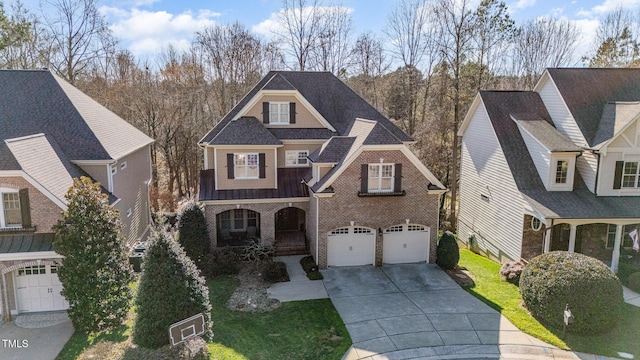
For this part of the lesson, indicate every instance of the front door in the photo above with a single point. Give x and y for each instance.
(287, 219)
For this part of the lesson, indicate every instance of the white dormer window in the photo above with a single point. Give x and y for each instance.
(561, 172)
(630, 175)
(278, 113)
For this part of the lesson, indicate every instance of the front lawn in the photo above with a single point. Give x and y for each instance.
(297, 330)
(505, 298)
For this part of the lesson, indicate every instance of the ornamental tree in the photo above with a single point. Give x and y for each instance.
(95, 273)
(170, 289)
(192, 231)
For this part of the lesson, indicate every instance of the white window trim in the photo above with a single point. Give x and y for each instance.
(279, 113)
(636, 176)
(3, 223)
(246, 166)
(379, 177)
(123, 165)
(296, 154)
(571, 169)
(114, 169)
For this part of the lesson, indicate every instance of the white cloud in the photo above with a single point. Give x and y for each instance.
(523, 4)
(587, 29)
(610, 5)
(147, 32)
(271, 26)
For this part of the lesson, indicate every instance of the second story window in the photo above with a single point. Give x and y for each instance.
(630, 175)
(246, 166)
(12, 215)
(562, 170)
(296, 158)
(278, 112)
(381, 177)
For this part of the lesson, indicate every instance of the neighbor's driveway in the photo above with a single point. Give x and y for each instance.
(418, 311)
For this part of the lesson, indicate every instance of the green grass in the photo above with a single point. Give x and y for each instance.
(505, 298)
(297, 330)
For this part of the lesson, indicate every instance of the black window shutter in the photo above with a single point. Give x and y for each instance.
(265, 112)
(364, 178)
(292, 113)
(261, 166)
(25, 208)
(230, 166)
(617, 177)
(397, 184)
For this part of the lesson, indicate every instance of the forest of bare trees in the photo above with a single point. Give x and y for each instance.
(422, 71)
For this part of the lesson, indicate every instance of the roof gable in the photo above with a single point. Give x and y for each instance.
(544, 133)
(245, 131)
(585, 91)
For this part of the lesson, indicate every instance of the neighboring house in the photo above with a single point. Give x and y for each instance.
(304, 163)
(51, 133)
(555, 168)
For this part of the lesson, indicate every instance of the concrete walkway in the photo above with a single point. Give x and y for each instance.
(38, 336)
(415, 311)
(630, 296)
(299, 287)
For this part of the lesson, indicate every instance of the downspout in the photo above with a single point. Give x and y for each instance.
(317, 226)
(595, 188)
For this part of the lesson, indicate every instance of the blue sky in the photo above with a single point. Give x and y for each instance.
(145, 26)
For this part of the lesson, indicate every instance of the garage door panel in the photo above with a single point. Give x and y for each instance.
(405, 244)
(351, 247)
(38, 289)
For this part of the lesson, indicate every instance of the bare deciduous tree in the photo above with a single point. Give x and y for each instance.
(616, 41)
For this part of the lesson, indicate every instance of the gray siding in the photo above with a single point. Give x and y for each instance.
(587, 165)
(98, 173)
(130, 185)
(484, 171)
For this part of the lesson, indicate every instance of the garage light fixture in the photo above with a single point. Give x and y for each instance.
(352, 222)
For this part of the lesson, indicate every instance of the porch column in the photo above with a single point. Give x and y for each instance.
(6, 312)
(547, 240)
(615, 257)
(572, 237)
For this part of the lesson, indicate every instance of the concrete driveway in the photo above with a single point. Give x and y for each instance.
(412, 311)
(38, 336)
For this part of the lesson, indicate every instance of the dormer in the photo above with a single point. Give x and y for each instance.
(553, 154)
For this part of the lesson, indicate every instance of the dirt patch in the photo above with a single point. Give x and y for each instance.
(461, 276)
(251, 294)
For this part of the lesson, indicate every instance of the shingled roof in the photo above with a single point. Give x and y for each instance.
(334, 100)
(579, 203)
(246, 131)
(36, 101)
(587, 90)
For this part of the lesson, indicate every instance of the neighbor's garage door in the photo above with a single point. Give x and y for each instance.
(351, 246)
(406, 243)
(38, 289)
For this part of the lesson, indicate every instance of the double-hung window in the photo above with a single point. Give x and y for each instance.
(278, 112)
(381, 177)
(296, 158)
(630, 175)
(246, 166)
(562, 171)
(11, 213)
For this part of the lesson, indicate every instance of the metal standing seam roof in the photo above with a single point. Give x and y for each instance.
(26, 242)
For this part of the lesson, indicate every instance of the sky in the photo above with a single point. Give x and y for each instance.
(146, 26)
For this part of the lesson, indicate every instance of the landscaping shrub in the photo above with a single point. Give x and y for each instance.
(169, 290)
(315, 275)
(256, 251)
(625, 269)
(219, 262)
(308, 264)
(275, 271)
(192, 230)
(592, 290)
(511, 271)
(447, 253)
(634, 281)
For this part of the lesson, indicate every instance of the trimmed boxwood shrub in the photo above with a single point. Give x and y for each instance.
(309, 266)
(592, 290)
(275, 271)
(448, 252)
(221, 261)
(634, 281)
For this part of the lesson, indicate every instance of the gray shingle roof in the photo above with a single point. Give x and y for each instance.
(246, 131)
(615, 116)
(36, 101)
(546, 133)
(334, 100)
(587, 90)
(302, 133)
(334, 151)
(580, 203)
(380, 135)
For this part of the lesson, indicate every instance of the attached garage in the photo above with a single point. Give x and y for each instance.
(38, 289)
(405, 243)
(351, 246)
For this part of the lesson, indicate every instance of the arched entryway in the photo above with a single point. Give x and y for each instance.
(236, 227)
(290, 225)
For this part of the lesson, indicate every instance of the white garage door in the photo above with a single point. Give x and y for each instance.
(351, 246)
(406, 243)
(38, 289)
